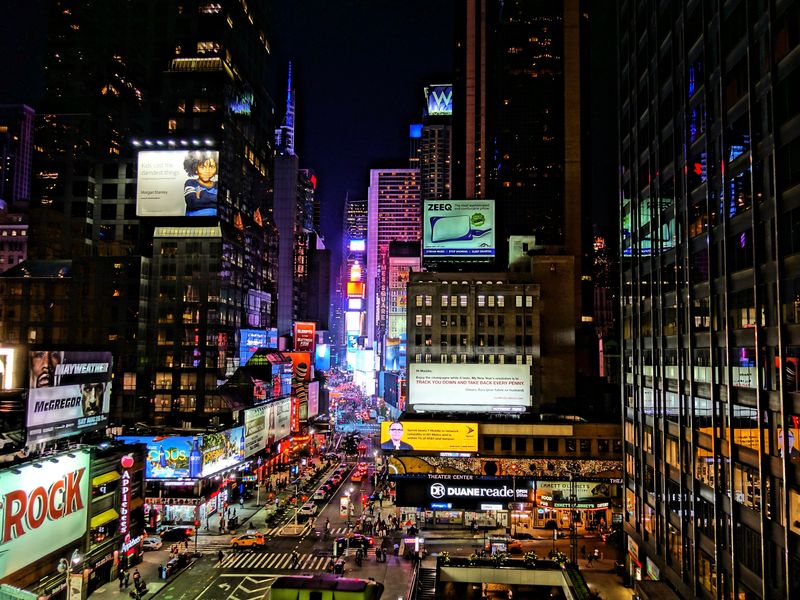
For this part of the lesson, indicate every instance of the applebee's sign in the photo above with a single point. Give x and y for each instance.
(125, 496)
(43, 507)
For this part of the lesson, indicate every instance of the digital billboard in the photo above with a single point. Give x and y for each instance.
(44, 508)
(169, 457)
(222, 450)
(251, 340)
(255, 430)
(313, 399)
(322, 357)
(177, 183)
(304, 336)
(458, 229)
(358, 246)
(446, 491)
(439, 99)
(429, 436)
(69, 392)
(469, 388)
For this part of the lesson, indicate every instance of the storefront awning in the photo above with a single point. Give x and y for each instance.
(105, 478)
(104, 517)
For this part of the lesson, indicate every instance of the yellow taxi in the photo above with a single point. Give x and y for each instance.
(248, 540)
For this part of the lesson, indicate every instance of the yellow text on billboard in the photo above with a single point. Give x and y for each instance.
(429, 436)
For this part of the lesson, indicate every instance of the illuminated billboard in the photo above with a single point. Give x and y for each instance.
(439, 99)
(458, 229)
(169, 457)
(352, 321)
(355, 304)
(358, 246)
(255, 430)
(304, 336)
(44, 508)
(222, 450)
(313, 399)
(69, 393)
(177, 183)
(355, 289)
(450, 491)
(469, 388)
(322, 357)
(251, 340)
(429, 436)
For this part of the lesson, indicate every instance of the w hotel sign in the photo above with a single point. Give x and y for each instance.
(440, 99)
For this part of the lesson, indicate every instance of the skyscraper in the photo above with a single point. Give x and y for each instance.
(709, 141)
(516, 105)
(394, 215)
(16, 152)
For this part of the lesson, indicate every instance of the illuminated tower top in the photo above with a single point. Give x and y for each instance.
(284, 135)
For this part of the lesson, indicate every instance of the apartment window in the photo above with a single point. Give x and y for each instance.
(572, 445)
(528, 301)
(488, 444)
(428, 300)
(501, 301)
(481, 320)
(462, 300)
(444, 320)
(444, 301)
(428, 320)
(552, 444)
(519, 301)
(538, 444)
(443, 341)
(463, 358)
(427, 358)
(491, 301)
(453, 301)
(505, 444)
(586, 446)
(602, 446)
(418, 300)
(481, 300)
(463, 320)
(520, 445)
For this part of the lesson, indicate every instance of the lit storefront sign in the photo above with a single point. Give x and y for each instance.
(127, 462)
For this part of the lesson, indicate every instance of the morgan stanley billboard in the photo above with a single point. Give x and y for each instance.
(69, 393)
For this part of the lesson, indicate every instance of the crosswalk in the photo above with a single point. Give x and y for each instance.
(266, 560)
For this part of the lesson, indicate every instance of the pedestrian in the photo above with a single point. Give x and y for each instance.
(207, 523)
(295, 559)
(241, 501)
(220, 556)
(589, 561)
(127, 579)
(121, 577)
(136, 578)
(583, 551)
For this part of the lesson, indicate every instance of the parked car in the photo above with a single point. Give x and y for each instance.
(173, 533)
(152, 542)
(365, 542)
(248, 540)
(309, 509)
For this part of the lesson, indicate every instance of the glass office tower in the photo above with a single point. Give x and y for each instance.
(710, 220)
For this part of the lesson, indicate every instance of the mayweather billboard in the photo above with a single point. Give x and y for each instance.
(177, 183)
(469, 388)
(44, 508)
(429, 436)
(69, 393)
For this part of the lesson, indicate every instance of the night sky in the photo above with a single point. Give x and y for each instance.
(359, 69)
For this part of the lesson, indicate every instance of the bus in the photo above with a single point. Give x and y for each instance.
(324, 587)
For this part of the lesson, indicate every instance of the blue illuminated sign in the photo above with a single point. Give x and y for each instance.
(415, 131)
(440, 99)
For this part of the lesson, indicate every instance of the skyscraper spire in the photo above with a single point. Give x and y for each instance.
(284, 135)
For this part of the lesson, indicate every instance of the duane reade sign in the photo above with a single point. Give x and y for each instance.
(469, 388)
(460, 491)
(43, 507)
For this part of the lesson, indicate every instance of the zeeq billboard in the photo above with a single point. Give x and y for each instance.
(177, 183)
(43, 508)
(458, 229)
(469, 388)
(69, 392)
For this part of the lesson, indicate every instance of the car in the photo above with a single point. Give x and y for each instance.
(173, 533)
(356, 477)
(336, 479)
(357, 540)
(511, 545)
(248, 540)
(362, 466)
(309, 509)
(320, 495)
(152, 542)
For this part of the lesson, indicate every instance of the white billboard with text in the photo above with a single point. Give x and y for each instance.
(469, 388)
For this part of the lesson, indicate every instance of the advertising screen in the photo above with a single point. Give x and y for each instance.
(69, 393)
(322, 357)
(440, 99)
(222, 450)
(476, 492)
(428, 436)
(313, 399)
(255, 430)
(458, 229)
(469, 388)
(358, 245)
(355, 289)
(177, 183)
(45, 506)
(251, 340)
(304, 337)
(169, 457)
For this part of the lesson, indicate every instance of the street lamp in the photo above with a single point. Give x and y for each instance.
(66, 566)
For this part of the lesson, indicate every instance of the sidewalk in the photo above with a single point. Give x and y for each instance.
(250, 516)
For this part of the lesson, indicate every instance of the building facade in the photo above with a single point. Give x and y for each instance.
(709, 140)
